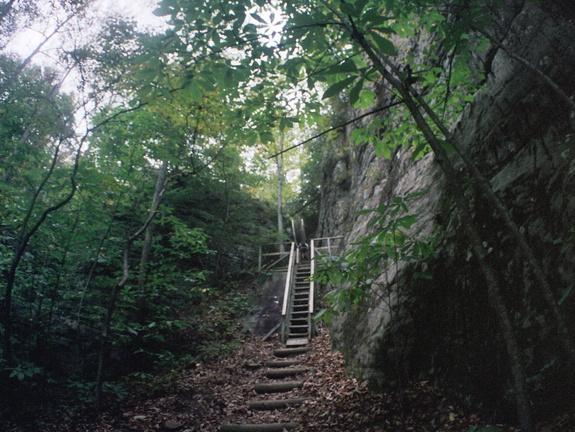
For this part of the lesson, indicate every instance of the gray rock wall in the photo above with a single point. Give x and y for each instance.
(521, 136)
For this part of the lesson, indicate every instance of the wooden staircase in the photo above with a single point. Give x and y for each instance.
(280, 378)
(299, 324)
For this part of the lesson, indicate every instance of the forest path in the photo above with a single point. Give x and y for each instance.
(284, 399)
(219, 392)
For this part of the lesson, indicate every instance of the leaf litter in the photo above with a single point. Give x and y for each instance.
(213, 393)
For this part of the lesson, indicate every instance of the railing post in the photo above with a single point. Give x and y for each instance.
(260, 259)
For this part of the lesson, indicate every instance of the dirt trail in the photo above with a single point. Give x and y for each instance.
(212, 394)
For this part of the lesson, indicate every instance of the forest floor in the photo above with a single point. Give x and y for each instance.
(210, 394)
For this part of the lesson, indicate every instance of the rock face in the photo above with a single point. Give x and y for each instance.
(521, 136)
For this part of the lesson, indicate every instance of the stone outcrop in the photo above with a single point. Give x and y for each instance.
(522, 137)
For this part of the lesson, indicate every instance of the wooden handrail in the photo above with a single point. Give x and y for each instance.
(289, 278)
(328, 238)
(312, 271)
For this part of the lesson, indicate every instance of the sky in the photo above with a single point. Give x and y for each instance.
(140, 10)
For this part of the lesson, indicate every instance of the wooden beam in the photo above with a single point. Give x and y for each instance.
(277, 387)
(275, 404)
(262, 427)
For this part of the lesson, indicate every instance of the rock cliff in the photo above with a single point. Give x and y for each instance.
(521, 136)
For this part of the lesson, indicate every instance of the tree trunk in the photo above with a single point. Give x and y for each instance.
(454, 185)
(521, 241)
(23, 241)
(158, 194)
(147, 248)
(280, 189)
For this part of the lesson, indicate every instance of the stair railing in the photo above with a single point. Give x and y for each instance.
(317, 249)
(286, 308)
(312, 263)
(269, 260)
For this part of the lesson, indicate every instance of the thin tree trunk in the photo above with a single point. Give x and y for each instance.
(454, 185)
(10, 81)
(280, 190)
(158, 194)
(93, 268)
(514, 230)
(24, 239)
(147, 247)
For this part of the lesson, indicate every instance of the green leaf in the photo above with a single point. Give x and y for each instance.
(447, 146)
(338, 87)
(194, 92)
(258, 18)
(565, 295)
(349, 9)
(360, 5)
(374, 17)
(385, 45)
(345, 67)
(355, 91)
(163, 10)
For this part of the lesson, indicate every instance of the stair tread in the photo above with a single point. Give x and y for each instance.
(277, 387)
(284, 373)
(275, 403)
(297, 341)
(257, 427)
(285, 352)
(283, 363)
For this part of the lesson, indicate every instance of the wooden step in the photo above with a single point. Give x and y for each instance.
(283, 363)
(261, 427)
(286, 352)
(277, 387)
(283, 373)
(298, 325)
(275, 404)
(294, 342)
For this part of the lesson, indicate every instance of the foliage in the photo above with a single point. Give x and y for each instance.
(62, 288)
(362, 272)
